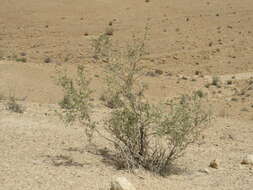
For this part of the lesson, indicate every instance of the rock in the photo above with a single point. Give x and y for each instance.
(205, 170)
(121, 183)
(197, 72)
(47, 60)
(248, 159)
(151, 74)
(109, 31)
(182, 77)
(158, 72)
(214, 164)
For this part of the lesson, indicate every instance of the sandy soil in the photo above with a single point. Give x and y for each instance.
(189, 41)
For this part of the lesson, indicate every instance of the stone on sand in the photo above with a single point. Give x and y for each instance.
(248, 159)
(121, 183)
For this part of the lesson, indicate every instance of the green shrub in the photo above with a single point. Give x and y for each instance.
(143, 134)
(123, 70)
(101, 47)
(76, 103)
(22, 59)
(148, 136)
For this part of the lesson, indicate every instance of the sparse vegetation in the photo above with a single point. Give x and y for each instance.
(22, 59)
(13, 106)
(76, 103)
(234, 99)
(101, 46)
(143, 134)
(200, 93)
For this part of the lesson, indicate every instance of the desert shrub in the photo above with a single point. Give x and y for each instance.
(22, 59)
(76, 103)
(143, 134)
(146, 135)
(13, 106)
(111, 99)
(101, 47)
(199, 93)
(123, 70)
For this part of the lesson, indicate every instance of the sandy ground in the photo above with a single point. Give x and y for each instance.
(189, 41)
(36, 150)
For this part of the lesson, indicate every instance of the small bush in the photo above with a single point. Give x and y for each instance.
(13, 106)
(76, 103)
(143, 134)
(111, 100)
(101, 47)
(199, 93)
(147, 136)
(22, 59)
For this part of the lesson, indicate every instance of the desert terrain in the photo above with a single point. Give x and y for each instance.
(189, 43)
